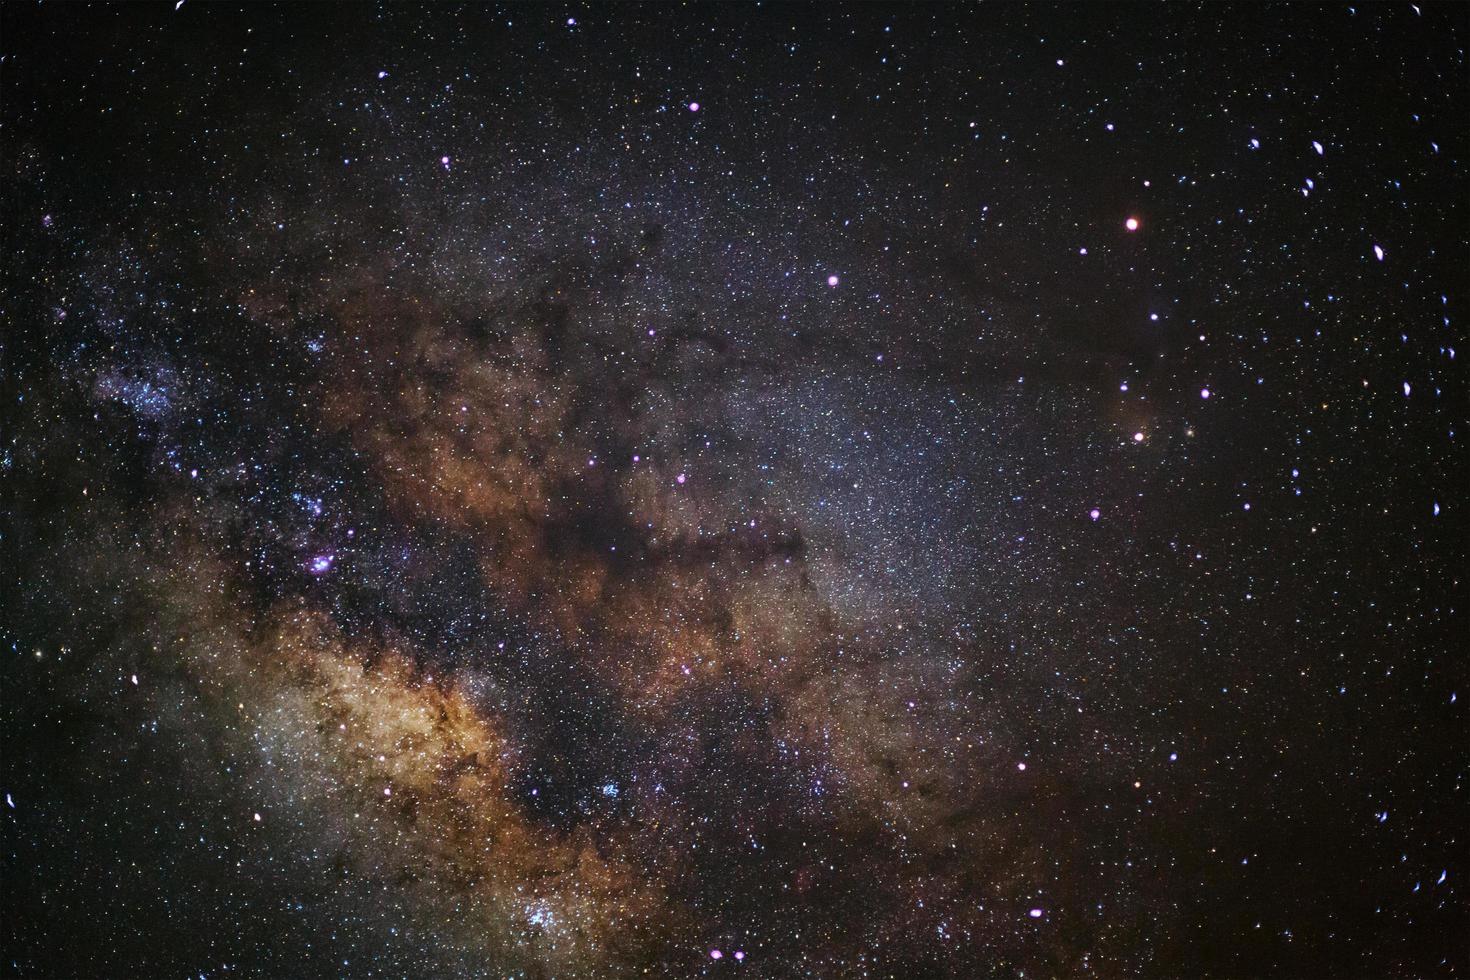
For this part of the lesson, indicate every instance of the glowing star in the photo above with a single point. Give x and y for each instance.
(680, 479)
(1378, 252)
(715, 954)
(694, 107)
(1138, 437)
(1131, 224)
(833, 281)
(1021, 766)
(1407, 389)
(1094, 513)
(740, 953)
(1204, 393)
(1318, 147)
(321, 564)
(1036, 913)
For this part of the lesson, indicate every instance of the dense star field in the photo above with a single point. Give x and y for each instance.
(734, 491)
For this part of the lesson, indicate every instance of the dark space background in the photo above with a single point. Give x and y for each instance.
(466, 511)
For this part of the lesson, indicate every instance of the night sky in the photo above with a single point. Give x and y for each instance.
(734, 491)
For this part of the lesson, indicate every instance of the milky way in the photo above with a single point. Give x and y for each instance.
(801, 492)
